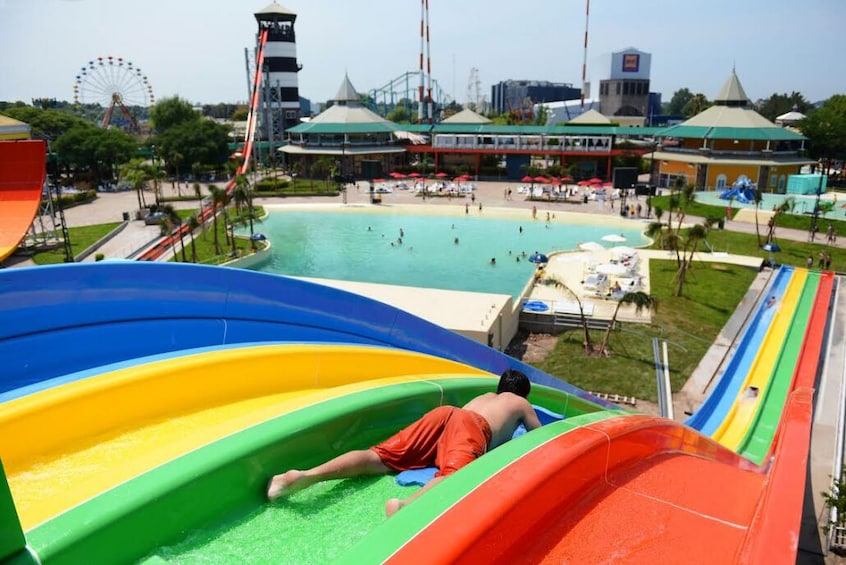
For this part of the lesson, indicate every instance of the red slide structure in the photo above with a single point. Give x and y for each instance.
(168, 242)
(22, 171)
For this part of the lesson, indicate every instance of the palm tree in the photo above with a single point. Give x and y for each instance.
(558, 283)
(242, 198)
(659, 212)
(641, 300)
(135, 173)
(691, 245)
(215, 194)
(655, 230)
(193, 224)
(155, 173)
(782, 208)
(222, 200)
(173, 221)
(176, 159)
(687, 195)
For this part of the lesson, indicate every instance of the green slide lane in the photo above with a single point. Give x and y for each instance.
(208, 505)
(759, 436)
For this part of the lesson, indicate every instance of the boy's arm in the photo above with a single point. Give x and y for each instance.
(530, 418)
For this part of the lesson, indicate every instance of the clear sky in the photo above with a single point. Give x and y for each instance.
(195, 48)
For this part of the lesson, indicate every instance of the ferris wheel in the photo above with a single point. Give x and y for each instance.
(113, 82)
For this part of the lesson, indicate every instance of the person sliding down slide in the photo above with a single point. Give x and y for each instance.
(446, 437)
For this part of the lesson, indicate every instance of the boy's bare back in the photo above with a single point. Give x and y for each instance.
(504, 412)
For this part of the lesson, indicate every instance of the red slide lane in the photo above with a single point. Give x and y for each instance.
(774, 534)
(170, 241)
(22, 171)
(633, 489)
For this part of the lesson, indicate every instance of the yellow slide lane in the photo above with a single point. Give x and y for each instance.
(65, 445)
(733, 429)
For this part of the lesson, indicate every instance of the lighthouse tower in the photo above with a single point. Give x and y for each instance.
(279, 98)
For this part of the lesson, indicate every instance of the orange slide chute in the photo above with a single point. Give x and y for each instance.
(22, 171)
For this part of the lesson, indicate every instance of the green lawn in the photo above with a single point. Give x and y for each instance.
(81, 239)
(689, 324)
(204, 240)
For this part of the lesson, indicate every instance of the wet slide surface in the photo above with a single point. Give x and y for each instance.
(211, 500)
(746, 403)
(95, 434)
(633, 489)
(720, 400)
(22, 171)
(757, 440)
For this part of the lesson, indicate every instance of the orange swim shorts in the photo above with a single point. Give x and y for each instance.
(447, 437)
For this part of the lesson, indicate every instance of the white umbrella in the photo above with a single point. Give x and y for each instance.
(613, 238)
(615, 269)
(591, 246)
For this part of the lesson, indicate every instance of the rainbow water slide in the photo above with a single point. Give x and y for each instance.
(713, 410)
(288, 371)
(756, 442)
(757, 381)
(22, 172)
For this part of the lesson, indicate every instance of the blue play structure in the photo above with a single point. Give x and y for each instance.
(743, 190)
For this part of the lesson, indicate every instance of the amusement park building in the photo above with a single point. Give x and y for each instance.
(349, 133)
(356, 137)
(715, 147)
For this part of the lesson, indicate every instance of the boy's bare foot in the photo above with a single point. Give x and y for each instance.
(285, 484)
(392, 506)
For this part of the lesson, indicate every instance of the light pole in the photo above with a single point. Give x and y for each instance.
(155, 174)
(814, 225)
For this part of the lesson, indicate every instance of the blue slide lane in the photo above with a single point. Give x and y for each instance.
(63, 319)
(715, 408)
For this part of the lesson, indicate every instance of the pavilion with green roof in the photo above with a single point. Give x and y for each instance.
(348, 133)
(730, 139)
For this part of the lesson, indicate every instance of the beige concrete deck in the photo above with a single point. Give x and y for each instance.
(487, 318)
(573, 267)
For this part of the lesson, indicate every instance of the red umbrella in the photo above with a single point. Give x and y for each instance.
(414, 175)
(583, 182)
(527, 178)
(595, 180)
(397, 175)
(441, 175)
(608, 185)
(556, 181)
(541, 179)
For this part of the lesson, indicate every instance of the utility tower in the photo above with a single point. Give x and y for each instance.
(475, 98)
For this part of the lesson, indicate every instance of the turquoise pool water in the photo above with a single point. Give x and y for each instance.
(357, 245)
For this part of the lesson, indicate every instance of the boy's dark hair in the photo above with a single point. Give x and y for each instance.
(515, 382)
